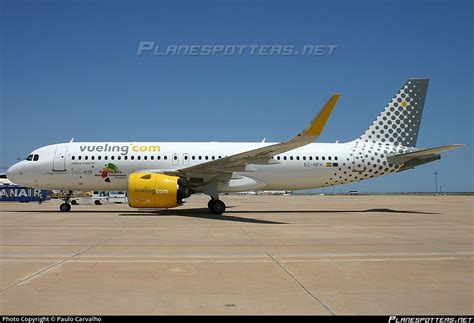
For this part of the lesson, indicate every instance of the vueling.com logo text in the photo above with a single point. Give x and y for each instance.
(122, 149)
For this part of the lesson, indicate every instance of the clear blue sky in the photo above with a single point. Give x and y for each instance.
(69, 69)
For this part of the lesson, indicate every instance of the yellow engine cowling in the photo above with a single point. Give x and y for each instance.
(149, 190)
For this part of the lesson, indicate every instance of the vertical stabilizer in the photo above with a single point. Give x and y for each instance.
(399, 122)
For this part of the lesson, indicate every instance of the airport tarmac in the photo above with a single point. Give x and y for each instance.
(267, 255)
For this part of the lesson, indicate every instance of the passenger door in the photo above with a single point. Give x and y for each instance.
(59, 161)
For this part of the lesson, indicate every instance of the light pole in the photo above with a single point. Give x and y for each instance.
(436, 182)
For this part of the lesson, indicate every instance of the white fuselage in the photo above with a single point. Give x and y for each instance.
(106, 165)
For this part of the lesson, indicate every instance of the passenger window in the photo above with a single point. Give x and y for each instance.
(119, 157)
(125, 157)
(165, 157)
(335, 158)
(323, 158)
(73, 157)
(92, 157)
(139, 157)
(106, 157)
(206, 157)
(112, 157)
(200, 157)
(193, 158)
(297, 157)
(86, 157)
(329, 158)
(99, 157)
(79, 157)
(145, 157)
(284, 157)
(219, 157)
(310, 158)
(278, 157)
(304, 157)
(152, 157)
(132, 157)
(159, 157)
(185, 157)
(213, 157)
(291, 157)
(175, 157)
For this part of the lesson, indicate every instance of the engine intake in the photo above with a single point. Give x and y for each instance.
(149, 190)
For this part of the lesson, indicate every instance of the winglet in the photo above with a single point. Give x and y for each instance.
(318, 123)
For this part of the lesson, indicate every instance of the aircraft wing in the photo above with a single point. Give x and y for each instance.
(222, 169)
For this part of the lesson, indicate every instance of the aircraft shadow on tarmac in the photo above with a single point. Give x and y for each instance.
(202, 213)
(337, 211)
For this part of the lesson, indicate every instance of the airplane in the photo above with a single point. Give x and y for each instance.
(160, 175)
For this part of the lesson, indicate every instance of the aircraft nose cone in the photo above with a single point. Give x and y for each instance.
(13, 172)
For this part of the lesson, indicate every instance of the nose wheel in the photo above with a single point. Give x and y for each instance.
(216, 206)
(66, 207)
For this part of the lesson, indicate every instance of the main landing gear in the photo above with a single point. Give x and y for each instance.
(66, 207)
(216, 206)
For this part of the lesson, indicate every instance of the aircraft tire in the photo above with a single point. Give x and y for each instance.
(216, 206)
(65, 207)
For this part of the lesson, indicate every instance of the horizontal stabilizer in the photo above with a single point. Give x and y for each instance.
(420, 154)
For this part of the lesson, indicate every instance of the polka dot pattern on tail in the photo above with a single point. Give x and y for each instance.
(399, 122)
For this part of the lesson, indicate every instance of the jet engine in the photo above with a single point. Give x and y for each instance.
(150, 190)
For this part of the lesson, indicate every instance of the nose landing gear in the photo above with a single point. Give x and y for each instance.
(66, 207)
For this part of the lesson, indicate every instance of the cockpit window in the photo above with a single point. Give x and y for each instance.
(29, 158)
(35, 157)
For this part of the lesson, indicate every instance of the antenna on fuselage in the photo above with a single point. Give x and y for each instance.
(72, 140)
